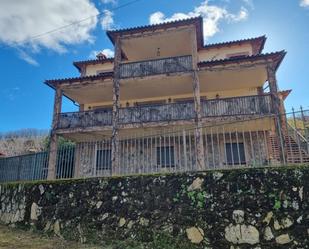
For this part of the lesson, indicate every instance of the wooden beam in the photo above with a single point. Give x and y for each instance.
(200, 163)
(116, 106)
(53, 137)
(273, 86)
(157, 32)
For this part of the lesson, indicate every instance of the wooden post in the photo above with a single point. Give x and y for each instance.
(273, 88)
(200, 164)
(116, 105)
(53, 137)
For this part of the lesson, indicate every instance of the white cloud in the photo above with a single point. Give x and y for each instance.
(26, 57)
(109, 2)
(304, 3)
(20, 20)
(212, 15)
(108, 52)
(249, 3)
(107, 21)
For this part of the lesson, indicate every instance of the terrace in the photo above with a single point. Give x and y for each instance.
(247, 105)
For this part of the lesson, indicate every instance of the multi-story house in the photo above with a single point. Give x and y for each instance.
(164, 77)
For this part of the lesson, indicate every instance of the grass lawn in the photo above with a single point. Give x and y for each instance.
(11, 238)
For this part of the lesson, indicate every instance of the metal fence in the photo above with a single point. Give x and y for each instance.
(35, 166)
(25, 167)
(262, 141)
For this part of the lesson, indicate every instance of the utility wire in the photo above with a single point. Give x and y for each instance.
(70, 24)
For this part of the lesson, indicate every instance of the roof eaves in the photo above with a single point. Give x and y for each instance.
(261, 39)
(276, 56)
(78, 64)
(53, 82)
(196, 20)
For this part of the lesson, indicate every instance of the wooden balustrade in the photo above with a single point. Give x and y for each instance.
(247, 105)
(154, 67)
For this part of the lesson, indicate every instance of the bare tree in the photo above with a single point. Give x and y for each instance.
(23, 141)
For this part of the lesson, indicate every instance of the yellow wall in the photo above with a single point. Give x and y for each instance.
(92, 69)
(221, 53)
(209, 95)
(204, 55)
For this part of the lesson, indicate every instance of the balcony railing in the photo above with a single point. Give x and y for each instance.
(248, 105)
(158, 66)
(156, 113)
(85, 119)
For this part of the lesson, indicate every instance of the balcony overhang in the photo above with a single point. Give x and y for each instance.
(231, 124)
(85, 89)
(231, 74)
(159, 40)
(215, 76)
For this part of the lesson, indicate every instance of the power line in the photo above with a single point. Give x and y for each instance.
(71, 24)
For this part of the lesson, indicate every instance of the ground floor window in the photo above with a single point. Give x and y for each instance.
(104, 159)
(165, 156)
(235, 153)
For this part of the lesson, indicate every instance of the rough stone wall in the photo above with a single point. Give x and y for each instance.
(249, 208)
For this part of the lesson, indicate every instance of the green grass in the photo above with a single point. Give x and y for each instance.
(11, 238)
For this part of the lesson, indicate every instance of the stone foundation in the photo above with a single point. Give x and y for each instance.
(247, 208)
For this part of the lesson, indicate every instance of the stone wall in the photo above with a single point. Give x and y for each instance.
(251, 208)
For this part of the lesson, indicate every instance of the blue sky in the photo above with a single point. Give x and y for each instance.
(27, 103)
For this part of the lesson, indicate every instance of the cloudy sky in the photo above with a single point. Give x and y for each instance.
(37, 42)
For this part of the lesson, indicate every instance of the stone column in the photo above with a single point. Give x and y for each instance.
(116, 105)
(200, 163)
(53, 136)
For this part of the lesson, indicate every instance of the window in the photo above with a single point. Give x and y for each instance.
(165, 156)
(235, 153)
(102, 72)
(237, 55)
(104, 159)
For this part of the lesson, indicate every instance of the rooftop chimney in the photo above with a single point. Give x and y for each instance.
(101, 56)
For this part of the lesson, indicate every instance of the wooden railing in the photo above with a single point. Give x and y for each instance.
(257, 104)
(85, 119)
(157, 113)
(158, 66)
(248, 105)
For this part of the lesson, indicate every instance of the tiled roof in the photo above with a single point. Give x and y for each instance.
(194, 20)
(93, 62)
(276, 56)
(285, 93)
(259, 40)
(53, 82)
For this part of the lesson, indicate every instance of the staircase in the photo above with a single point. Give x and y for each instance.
(295, 147)
(274, 148)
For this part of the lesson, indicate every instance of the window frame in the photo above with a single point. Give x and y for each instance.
(108, 166)
(240, 153)
(161, 160)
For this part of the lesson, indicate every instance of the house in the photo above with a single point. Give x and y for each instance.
(163, 76)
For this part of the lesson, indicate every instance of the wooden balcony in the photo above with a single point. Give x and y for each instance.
(248, 105)
(155, 67)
